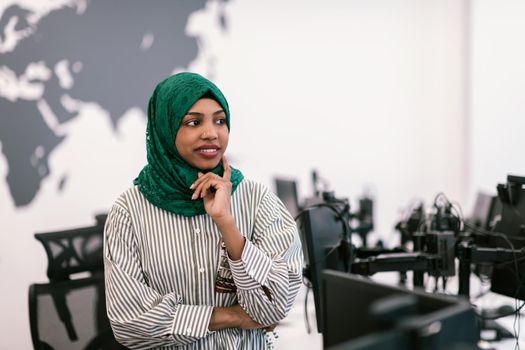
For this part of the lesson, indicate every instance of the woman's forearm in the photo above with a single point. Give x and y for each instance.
(231, 317)
(232, 237)
(222, 317)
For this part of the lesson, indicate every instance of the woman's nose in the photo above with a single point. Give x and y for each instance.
(209, 132)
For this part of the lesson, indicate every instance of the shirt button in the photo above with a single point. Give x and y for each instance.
(197, 230)
(188, 330)
(201, 270)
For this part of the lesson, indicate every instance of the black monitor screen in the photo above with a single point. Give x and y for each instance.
(507, 278)
(484, 211)
(370, 315)
(322, 235)
(287, 192)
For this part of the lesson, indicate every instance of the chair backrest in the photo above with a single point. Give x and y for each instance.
(70, 315)
(73, 251)
(286, 190)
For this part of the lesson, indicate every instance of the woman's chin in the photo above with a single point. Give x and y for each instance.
(207, 166)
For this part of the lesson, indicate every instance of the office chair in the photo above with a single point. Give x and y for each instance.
(70, 313)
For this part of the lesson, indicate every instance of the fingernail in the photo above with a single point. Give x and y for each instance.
(191, 187)
(193, 196)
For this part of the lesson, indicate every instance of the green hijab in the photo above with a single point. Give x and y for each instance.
(165, 181)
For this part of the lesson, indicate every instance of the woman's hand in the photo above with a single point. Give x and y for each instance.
(234, 317)
(215, 192)
(246, 322)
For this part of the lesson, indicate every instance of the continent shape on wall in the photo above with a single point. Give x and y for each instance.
(106, 52)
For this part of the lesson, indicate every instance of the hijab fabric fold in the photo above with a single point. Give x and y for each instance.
(165, 181)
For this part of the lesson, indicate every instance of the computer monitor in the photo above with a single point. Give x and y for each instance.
(359, 313)
(509, 279)
(486, 208)
(286, 190)
(327, 246)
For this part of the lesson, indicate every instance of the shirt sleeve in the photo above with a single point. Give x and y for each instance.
(141, 317)
(268, 275)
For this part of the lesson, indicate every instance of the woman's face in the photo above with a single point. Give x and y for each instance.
(203, 135)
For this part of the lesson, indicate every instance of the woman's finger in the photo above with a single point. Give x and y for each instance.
(271, 327)
(227, 172)
(197, 186)
(205, 185)
(200, 187)
(202, 178)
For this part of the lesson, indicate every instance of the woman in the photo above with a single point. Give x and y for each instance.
(195, 255)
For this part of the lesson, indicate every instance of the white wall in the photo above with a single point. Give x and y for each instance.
(497, 93)
(371, 93)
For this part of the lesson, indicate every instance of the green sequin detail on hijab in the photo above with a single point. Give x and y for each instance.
(165, 181)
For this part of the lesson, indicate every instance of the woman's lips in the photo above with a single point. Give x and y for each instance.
(208, 151)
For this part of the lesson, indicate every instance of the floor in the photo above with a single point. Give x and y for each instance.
(292, 333)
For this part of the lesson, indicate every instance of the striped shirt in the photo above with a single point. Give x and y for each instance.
(165, 272)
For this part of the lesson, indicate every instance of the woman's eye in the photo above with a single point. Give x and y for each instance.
(192, 123)
(221, 121)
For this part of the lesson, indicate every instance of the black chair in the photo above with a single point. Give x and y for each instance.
(70, 313)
